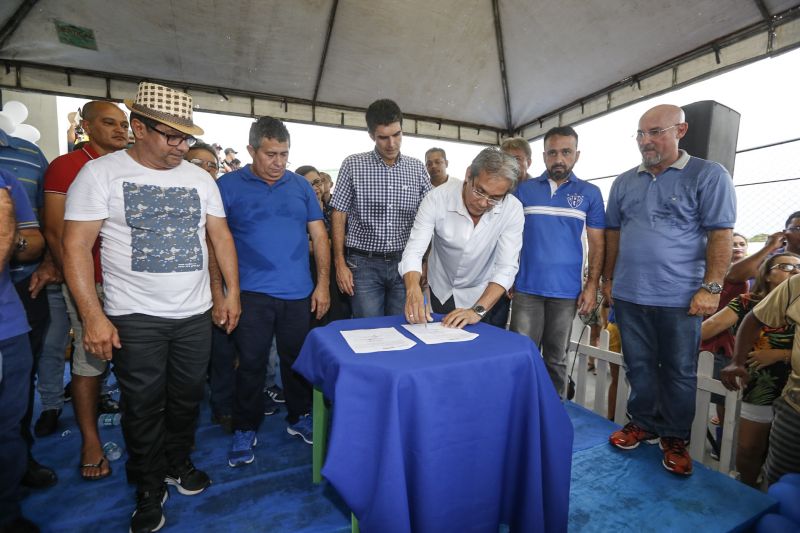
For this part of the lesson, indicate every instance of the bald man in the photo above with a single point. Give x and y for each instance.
(107, 128)
(669, 231)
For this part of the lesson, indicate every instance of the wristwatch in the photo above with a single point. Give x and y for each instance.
(713, 287)
(22, 244)
(479, 310)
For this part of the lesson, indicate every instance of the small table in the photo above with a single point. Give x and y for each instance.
(449, 437)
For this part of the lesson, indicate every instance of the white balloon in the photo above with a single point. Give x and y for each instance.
(27, 132)
(16, 111)
(6, 124)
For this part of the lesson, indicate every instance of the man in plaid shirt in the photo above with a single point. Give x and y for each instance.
(377, 195)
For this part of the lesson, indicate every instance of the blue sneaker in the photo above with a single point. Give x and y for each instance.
(303, 428)
(241, 452)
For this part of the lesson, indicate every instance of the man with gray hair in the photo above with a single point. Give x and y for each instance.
(475, 228)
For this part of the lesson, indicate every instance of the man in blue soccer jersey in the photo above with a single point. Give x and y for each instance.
(558, 208)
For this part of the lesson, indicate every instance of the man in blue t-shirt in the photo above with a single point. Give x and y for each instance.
(668, 240)
(559, 208)
(271, 212)
(15, 366)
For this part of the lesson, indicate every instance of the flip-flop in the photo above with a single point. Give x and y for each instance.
(99, 465)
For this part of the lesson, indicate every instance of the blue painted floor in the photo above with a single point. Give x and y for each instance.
(611, 490)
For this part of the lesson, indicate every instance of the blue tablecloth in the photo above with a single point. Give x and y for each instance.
(450, 437)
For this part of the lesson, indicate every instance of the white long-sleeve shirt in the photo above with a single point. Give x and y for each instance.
(465, 257)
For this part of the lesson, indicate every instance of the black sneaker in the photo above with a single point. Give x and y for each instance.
(47, 423)
(107, 405)
(149, 513)
(270, 405)
(188, 480)
(276, 393)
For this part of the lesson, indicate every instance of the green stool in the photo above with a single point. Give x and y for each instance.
(321, 421)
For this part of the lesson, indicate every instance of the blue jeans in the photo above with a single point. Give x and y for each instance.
(50, 369)
(15, 362)
(378, 288)
(660, 347)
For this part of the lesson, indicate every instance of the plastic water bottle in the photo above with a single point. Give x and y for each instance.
(112, 451)
(110, 419)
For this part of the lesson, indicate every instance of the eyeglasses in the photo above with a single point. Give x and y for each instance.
(786, 267)
(489, 200)
(792, 229)
(208, 165)
(654, 133)
(174, 140)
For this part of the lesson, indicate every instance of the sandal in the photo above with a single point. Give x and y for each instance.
(99, 465)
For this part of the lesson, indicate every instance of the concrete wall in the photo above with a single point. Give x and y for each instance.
(42, 114)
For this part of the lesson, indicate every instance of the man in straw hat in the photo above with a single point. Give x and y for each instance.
(153, 210)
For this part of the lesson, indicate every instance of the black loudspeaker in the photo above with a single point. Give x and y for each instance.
(713, 132)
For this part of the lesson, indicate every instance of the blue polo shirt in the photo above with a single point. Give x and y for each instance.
(28, 164)
(270, 229)
(551, 259)
(663, 221)
(12, 315)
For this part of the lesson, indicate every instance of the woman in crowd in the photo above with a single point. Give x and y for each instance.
(767, 363)
(340, 306)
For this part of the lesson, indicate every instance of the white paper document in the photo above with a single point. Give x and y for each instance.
(436, 333)
(376, 340)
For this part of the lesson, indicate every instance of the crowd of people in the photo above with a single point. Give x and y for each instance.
(175, 265)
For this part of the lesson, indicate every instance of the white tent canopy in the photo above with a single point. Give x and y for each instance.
(469, 70)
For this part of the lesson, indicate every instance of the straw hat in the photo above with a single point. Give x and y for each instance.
(165, 105)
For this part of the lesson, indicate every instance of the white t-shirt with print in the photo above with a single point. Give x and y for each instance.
(153, 250)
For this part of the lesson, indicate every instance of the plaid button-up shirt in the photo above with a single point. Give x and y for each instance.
(381, 201)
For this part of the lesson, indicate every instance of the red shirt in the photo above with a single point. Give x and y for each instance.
(60, 175)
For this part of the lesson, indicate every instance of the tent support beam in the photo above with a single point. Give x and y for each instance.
(320, 71)
(15, 20)
(762, 7)
(498, 32)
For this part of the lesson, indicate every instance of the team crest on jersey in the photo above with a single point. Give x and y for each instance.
(574, 200)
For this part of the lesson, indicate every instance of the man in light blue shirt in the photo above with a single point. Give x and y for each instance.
(669, 229)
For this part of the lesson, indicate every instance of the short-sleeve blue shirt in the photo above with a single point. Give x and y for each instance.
(28, 164)
(552, 249)
(663, 223)
(269, 224)
(13, 321)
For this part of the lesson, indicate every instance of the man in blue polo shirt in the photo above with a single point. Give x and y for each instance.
(668, 240)
(271, 212)
(558, 207)
(15, 367)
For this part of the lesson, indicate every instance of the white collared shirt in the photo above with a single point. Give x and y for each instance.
(465, 257)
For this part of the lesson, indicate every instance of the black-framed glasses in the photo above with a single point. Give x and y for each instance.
(654, 133)
(208, 165)
(172, 139)
(489, 200)
(792, 229)
(786, 267)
